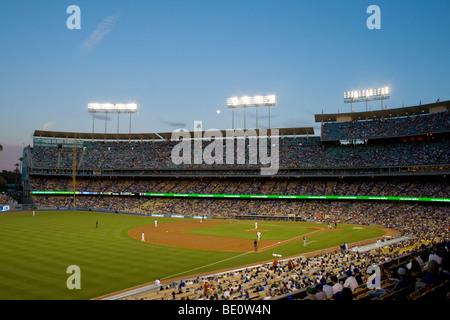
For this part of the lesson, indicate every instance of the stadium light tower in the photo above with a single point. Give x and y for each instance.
(367, 95)
(254, 101)
(111, 108)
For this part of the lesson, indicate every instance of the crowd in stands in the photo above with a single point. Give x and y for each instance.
(437, 188)
(409, 270)
(405, 217)
(392, 127)
(302, 153)
(5, 199)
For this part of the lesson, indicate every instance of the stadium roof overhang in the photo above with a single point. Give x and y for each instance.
(385, 113)
(158, 136)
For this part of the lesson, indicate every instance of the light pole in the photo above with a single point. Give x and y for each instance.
(112, 108)
(246, 101)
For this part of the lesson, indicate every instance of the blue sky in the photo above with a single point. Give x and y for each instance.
(180, 61)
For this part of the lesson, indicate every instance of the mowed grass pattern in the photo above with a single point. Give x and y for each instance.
(36, 251)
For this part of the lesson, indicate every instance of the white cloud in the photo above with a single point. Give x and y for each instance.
(105, 26)
(47, 125)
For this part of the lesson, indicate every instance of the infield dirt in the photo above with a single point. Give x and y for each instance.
(173, 234)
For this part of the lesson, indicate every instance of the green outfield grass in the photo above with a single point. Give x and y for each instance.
(36, 251)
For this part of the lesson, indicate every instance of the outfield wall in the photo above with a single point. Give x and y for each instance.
(241, 196)
(118, 211)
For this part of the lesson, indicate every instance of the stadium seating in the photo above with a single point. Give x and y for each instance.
(416, 143)
(293, 153)
(291, 277)
(4, 199)
(413, 125)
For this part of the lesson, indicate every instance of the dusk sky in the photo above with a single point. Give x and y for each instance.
(180, 61)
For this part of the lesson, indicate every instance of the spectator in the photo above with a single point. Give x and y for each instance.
(360, 279)
(350, 281)
(403, 280)
(431, 277)
(320, 295)
(310, 294)
(445, 268)
(414, 265)
(424, 254)
(344, 295)
(434, 255)
(337, 286)
(326, 288)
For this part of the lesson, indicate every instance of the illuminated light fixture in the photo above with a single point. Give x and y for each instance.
(246, 101)
(111, 108)
(236, 102)
(258, 99)
(233, 101)
(352, 96)
(367, 95)
(251, 101)
(271, 99)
